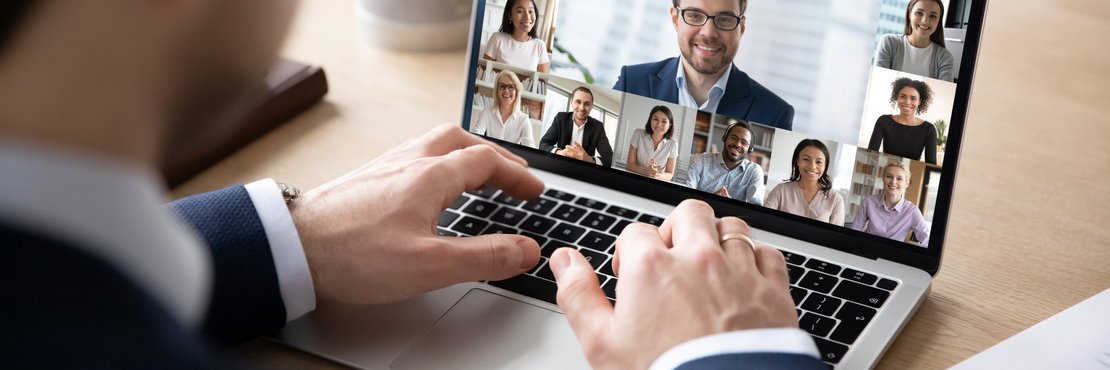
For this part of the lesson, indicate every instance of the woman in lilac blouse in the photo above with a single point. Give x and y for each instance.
(888, 214)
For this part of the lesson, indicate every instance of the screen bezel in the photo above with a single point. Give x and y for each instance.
(797, 227)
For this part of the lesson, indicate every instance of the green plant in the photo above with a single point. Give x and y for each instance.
(942, 138)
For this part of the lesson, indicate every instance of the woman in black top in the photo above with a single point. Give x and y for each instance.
(904, 134)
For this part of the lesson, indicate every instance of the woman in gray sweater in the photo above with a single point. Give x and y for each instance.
(920, 48)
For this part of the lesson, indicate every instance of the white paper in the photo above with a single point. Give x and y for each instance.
(1078, 338)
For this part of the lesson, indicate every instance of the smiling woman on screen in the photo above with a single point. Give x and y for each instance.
(516, 44)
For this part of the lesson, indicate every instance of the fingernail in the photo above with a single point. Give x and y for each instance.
(526, 248)
(559, 262)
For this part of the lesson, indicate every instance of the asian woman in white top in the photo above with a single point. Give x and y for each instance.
(516, 43)
(504, 120)
(653, 152)
(920, 48)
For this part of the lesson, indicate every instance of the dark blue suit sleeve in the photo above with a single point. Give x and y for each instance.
(759, 360)
(619, 86)
(246, 298)
(63, 308)
(786, 119)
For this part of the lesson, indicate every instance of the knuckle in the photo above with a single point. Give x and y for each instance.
(696, 206)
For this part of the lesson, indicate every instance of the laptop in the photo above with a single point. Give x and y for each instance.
(826, 91)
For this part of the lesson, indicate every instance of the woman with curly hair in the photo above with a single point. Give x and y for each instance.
(905, 134)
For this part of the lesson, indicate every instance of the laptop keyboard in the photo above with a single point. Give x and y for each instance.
(834, 303)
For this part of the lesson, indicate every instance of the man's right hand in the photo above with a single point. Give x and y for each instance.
(723, 192)
(680, 282)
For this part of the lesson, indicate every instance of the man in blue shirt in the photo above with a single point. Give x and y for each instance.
(704, 76)
(729, 174)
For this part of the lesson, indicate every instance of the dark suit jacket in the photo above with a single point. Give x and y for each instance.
(61, 307)
(595, 141)
(744, 98)
(757, 360)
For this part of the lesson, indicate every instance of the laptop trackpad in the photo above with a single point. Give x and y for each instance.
(489, 331)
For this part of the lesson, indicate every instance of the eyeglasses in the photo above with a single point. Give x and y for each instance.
(506, 87)
(723, 22)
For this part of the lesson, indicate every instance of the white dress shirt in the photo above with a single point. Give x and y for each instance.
(715, 93)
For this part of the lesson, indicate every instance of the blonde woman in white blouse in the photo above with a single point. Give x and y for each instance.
(504, 120)
(653, 152)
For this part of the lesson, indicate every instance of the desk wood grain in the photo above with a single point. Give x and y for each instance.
(1031, 211)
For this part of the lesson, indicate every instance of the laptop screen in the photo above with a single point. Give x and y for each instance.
(839, 114)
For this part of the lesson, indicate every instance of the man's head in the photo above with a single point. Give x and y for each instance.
(581, 103)
(174, 68)
(738, 142)
(709, 48)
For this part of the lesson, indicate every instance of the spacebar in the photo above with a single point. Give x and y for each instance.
(530, 286)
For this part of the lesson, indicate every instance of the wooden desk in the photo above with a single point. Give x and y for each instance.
(1028, 230)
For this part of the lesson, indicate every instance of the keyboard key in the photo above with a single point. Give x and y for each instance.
(853, 318)
(601, 279)
(506, 199)
(597, 241)
(817, 281)
(861, 294)
(598, 221)
(459, 202)
(610, 288)
(539, 265)
(545, 272)
(530, 286)
(821, 304)
(607, 268)
(508, 216)
(795, 273)
(537, 224)
(823, 266)
(499, 229)
(793, 258)
(446, 218)
(830, 351)
(560, 195)
(567, 232)
(480, 208)
(539, 239)
(619, 227)
(569, 213)
(590, 203)
(654, 220)
(816, 324)
(549, 248)
(596, 259)
(470, 226)
(887, 284)
(484, 193)
(797, 294)
(541, 206)
(442, 232)
(859, 276)
(622, 212)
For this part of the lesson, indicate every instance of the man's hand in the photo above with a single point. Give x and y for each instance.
(370, 235)
(677, 283)
(723, 192)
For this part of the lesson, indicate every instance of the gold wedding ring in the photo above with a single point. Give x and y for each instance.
(738, 236)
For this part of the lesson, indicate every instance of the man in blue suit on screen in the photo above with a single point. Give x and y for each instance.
(96, 272)
(704, 76)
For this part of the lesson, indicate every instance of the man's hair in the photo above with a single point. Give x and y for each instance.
(582, 89)
(12, 15)
(743, 5)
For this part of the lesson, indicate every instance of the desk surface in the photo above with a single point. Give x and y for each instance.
(1028, 228)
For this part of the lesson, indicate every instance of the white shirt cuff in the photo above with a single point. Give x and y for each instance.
(776, 340)
(294, 278)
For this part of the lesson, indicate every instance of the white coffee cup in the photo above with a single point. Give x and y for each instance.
(415, 25)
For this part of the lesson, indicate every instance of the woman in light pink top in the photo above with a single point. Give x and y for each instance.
(809, 192)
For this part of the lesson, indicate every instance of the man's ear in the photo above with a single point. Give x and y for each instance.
(743, 24)
(674, 18)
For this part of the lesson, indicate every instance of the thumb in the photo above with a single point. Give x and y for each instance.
(488, 257)
(580, 295)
